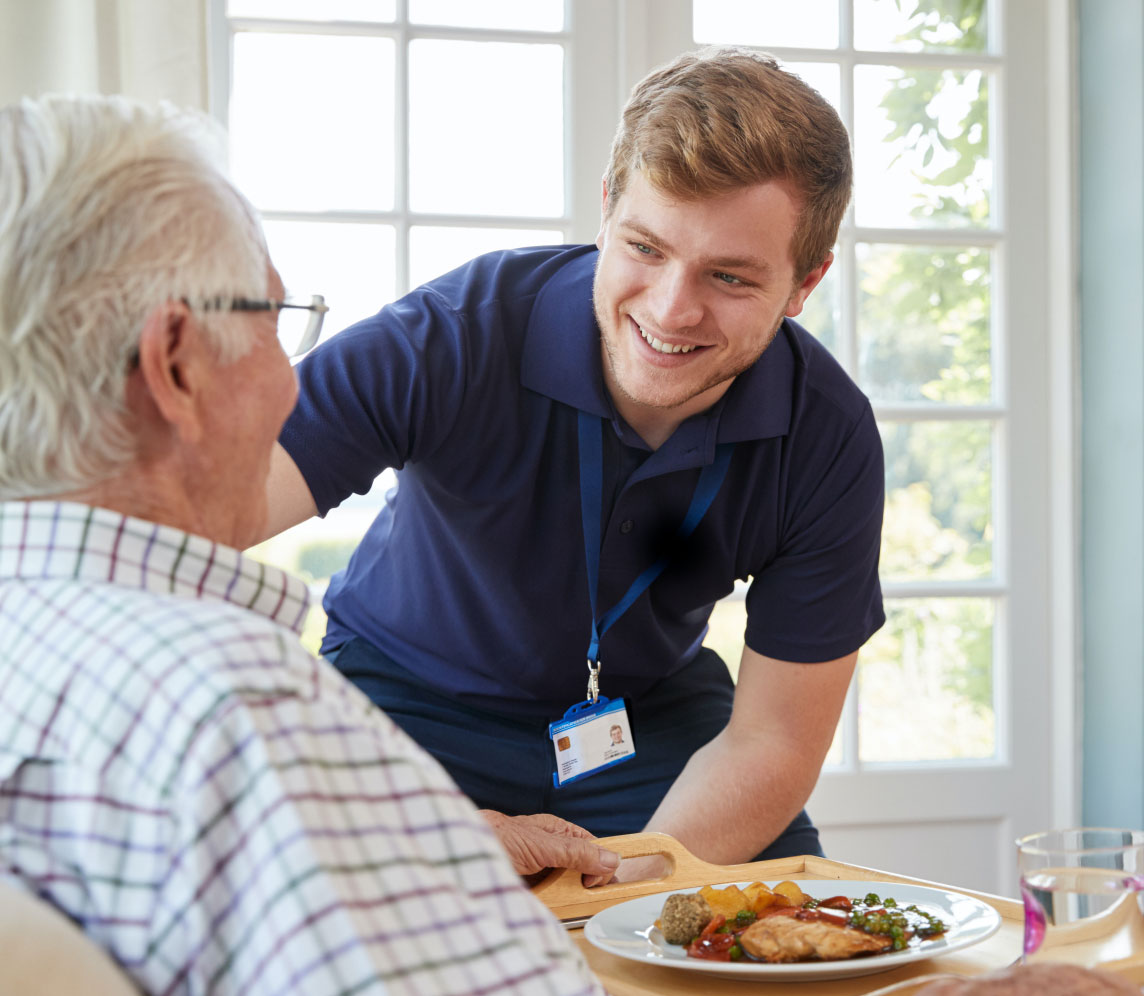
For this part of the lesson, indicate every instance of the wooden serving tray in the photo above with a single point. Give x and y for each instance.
(568, 899)
(563, 893)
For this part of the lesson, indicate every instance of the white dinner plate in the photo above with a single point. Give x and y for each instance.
(628, 930)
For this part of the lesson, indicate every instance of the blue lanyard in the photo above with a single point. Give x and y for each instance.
(591, 508)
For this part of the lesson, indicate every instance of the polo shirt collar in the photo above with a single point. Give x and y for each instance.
(561, 360)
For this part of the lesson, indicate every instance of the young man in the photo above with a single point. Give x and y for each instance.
(593, 443)
(219, 810)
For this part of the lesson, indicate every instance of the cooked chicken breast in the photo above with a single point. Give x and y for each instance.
(785, 938)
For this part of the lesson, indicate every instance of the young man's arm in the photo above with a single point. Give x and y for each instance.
(288, 498)
(742, 789)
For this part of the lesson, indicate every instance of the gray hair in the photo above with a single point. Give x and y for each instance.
(108, 209)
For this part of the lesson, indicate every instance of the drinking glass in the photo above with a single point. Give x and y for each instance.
(1082, 890)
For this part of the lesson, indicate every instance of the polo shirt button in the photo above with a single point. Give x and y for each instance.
(627, 526)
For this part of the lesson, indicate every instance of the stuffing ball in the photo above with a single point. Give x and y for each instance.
(684, 917)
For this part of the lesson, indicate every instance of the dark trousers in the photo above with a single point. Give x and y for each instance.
(506, 763)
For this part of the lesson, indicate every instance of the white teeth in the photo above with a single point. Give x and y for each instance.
(663, 347)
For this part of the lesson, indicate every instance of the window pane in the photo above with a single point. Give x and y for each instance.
(925, 682)
(317, 548)
(725, 630)
(825, 77)
(916, 25)
(311, 121)
(315, 10)
(767, 23)
(921, 140)
(492, 146)
(939, 501)
(923, 324)
(821, 315)
(515, 15)
(433, 251)
(351, 265)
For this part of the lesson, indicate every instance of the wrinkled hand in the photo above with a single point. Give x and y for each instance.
(537, 844)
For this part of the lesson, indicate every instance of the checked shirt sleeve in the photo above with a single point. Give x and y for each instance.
(322, 852)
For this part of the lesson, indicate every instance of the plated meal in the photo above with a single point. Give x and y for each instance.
(785, 924)
(798, 944)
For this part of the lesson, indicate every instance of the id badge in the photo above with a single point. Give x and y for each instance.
(590, 738)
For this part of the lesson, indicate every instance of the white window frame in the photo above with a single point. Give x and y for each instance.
(609, 46)
(591, 103)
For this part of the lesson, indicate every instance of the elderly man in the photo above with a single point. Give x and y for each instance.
(218, 809)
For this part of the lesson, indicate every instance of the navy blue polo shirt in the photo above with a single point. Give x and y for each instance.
(473, 574)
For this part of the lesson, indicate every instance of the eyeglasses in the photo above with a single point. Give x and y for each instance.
(299, 323)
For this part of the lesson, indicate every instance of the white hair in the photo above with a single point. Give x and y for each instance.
(108, 209)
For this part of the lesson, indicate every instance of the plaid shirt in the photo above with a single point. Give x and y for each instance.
(215, 807)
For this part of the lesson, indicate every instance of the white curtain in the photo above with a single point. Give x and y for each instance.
(149, 49)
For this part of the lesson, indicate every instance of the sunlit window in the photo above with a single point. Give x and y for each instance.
(386, 144)
(909, 309)
(383, 152)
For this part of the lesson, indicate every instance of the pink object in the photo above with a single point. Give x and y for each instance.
(1034, 921)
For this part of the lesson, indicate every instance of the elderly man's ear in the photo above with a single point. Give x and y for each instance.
(176, 364)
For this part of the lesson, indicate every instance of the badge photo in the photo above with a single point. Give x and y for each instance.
(589, 738)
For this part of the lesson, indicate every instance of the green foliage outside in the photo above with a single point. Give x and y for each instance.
(924, 331)
(318, 560)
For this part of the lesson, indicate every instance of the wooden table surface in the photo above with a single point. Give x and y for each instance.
(565, 896)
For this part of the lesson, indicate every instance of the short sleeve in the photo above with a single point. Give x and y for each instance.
(819, 597)
(377, 395)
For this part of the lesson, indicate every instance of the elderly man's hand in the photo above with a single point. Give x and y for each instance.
(537, 844)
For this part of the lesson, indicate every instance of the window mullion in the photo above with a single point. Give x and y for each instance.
(591, 107)
(401, 148)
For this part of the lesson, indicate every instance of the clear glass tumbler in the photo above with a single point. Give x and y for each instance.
(1082, 893)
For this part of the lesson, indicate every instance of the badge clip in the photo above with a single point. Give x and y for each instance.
(594, 682)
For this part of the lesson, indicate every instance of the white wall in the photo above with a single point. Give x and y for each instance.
(149, 49)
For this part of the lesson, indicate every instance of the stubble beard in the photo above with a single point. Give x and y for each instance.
(609, 333)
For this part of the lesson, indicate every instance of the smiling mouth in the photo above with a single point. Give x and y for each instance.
(664, 347)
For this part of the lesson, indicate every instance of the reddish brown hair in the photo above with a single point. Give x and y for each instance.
(719, 119)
